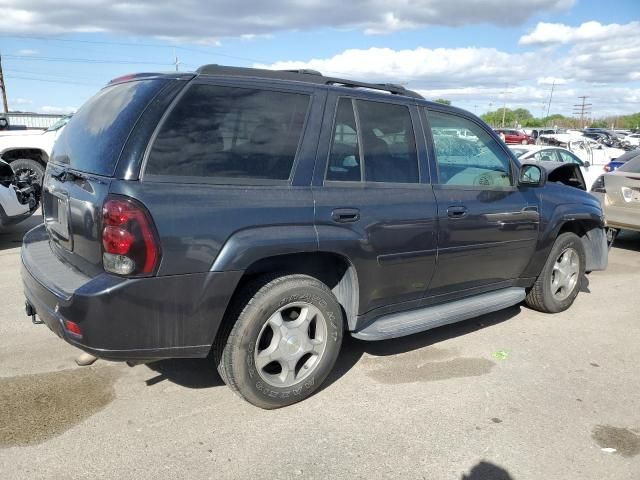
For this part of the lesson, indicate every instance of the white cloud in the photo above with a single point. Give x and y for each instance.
(481, 76)
(559, 33)
(27, 52)
(597, 53)
(551, 81)
(52, 109)
(423, 66)
(208, 19)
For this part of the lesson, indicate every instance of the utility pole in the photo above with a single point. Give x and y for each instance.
(4, 89)
(582, 108)
(176, 62)
(550, 98)
(504, 106)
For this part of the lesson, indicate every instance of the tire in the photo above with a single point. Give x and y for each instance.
(33, 167)
(268, 356)
(564, 266)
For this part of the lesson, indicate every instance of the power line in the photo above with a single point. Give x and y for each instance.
(17, 77)
(82, 60)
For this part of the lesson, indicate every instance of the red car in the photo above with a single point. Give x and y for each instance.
(515, 136)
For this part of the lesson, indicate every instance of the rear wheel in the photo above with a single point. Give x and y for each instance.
(29, 167)
(559, 282)
(284, 342)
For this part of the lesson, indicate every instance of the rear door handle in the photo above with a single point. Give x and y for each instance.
(345, 215)
(457, 211)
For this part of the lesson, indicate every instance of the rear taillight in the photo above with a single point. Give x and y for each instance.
(129, 242)
(598, 185)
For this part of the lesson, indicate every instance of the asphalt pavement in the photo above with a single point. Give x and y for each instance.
(511, 395)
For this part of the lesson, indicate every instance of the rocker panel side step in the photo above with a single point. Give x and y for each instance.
(414, 321)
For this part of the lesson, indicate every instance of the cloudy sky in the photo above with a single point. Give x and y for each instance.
(480, 54)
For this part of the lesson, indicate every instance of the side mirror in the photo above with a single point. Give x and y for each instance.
(587, 164)
(531, 175)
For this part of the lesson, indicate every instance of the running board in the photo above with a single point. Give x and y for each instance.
(414, 321)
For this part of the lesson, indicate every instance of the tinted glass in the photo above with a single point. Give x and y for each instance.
(344, 159)
(388, 143)
(94, 137)
(471, 159)
(568, 157)
(545, 156)
(228, 132)
(632, 166)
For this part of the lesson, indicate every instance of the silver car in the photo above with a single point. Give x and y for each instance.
(619, 192)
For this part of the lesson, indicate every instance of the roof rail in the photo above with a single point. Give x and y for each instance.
(305, 75)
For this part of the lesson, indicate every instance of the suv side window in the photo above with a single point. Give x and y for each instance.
(344, 159)
(385, 133)
(545, 156)
(474, 160)
(569, 158)
(230, 133)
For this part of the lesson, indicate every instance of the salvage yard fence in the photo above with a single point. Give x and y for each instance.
(32, 120)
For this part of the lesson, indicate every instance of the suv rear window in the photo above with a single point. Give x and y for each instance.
(93, 139)
(230, 133)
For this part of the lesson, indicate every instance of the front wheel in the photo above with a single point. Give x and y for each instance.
(559, 282)
(284, 342)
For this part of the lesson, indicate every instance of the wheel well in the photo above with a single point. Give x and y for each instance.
(29, 153)
(332, 269)
(592, 237)
(573, 226)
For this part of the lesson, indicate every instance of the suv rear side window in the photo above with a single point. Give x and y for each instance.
(473, 159)
(93, 139)
(230, 133)
(387, 139)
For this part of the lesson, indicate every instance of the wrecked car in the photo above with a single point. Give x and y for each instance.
(19, 196)
(28, 150)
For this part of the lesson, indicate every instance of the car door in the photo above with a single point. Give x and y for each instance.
(589, 172)
(373, 201)
(488, 227)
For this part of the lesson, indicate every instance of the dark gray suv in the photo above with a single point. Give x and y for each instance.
(258, 216)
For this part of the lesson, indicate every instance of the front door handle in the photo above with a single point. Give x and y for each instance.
(345, 215)
(457, 211)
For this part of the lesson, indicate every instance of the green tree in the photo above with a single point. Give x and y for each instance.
(443, 101)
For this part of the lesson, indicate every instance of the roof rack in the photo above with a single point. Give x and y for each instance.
(305, 75)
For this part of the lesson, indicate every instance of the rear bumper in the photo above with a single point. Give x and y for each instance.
(125, 319)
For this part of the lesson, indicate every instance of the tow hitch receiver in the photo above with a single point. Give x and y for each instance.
(31, 312)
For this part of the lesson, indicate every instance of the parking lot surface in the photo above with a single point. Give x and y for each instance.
(511, 395)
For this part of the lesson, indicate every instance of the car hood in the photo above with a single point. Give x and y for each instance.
(20, 133)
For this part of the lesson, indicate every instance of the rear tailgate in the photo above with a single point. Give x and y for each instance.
(82, 166)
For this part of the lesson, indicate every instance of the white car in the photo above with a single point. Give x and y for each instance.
(28, 151)
(633, 139)
(19, 198)
(558, 154)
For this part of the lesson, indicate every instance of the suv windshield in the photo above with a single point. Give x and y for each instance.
(93, 139)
